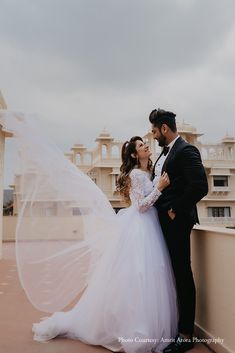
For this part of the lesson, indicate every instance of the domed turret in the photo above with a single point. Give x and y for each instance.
(104, 136)
(188, 132)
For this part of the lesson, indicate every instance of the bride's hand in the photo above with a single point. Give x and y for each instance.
(164, 181)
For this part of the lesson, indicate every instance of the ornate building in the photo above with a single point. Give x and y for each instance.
(101, 164)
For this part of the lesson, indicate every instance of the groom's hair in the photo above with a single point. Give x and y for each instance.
(158, 117)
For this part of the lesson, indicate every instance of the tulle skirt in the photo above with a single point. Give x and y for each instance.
(130, 303)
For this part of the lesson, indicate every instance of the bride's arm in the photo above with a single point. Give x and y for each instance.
(137, 191)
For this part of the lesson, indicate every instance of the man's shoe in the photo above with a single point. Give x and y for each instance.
(180, 345)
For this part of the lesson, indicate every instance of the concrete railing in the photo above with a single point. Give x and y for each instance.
(213, 262)
(218, 221)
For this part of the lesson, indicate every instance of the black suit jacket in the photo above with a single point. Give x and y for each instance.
(188, 181)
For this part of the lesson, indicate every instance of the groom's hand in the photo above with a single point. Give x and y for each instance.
(171, 214)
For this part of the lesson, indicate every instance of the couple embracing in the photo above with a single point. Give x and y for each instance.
(141, 295)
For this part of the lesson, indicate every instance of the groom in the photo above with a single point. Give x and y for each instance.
(178, 213)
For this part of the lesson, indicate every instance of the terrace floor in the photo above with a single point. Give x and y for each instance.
(17, 316)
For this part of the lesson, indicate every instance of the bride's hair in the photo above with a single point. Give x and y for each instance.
(128, 163)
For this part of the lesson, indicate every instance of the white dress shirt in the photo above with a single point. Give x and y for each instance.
(160, 162)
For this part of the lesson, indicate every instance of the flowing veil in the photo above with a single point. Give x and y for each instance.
(65, 222)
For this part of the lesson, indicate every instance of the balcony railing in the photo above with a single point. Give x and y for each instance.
(213, 263)
(225, 221)
(220, 189)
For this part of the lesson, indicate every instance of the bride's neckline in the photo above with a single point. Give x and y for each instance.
(144, 171)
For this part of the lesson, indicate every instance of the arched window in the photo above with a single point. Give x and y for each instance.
(220, 154)
(212, 153)
(104, 151)
(230, 151)
(78, 158)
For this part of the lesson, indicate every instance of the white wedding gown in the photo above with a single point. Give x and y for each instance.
(130, 302)
(69, 241)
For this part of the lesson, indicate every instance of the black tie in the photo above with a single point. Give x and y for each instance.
(165, 150)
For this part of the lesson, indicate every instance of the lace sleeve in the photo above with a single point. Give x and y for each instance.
(137, 192)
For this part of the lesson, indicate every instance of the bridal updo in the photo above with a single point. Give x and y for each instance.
(129, 161)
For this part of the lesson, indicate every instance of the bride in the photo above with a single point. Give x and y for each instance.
(118, 271)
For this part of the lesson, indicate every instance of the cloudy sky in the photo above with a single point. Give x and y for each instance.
(83, 65)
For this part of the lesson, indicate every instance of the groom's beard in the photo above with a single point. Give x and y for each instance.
(162, 141)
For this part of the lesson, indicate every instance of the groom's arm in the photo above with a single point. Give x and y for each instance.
(194, 177)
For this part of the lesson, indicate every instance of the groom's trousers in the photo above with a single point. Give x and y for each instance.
(177, 236)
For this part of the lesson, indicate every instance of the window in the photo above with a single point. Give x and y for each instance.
(104, 151)
(220, 180)
(78, 158)
(219, 212)
(76, 211)
(80, 211)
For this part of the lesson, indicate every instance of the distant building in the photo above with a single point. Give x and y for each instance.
(102, 164)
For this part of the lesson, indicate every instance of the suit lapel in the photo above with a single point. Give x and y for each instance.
(171, 153)
(153, 173)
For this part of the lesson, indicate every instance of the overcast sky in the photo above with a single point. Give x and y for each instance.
(83, 65)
